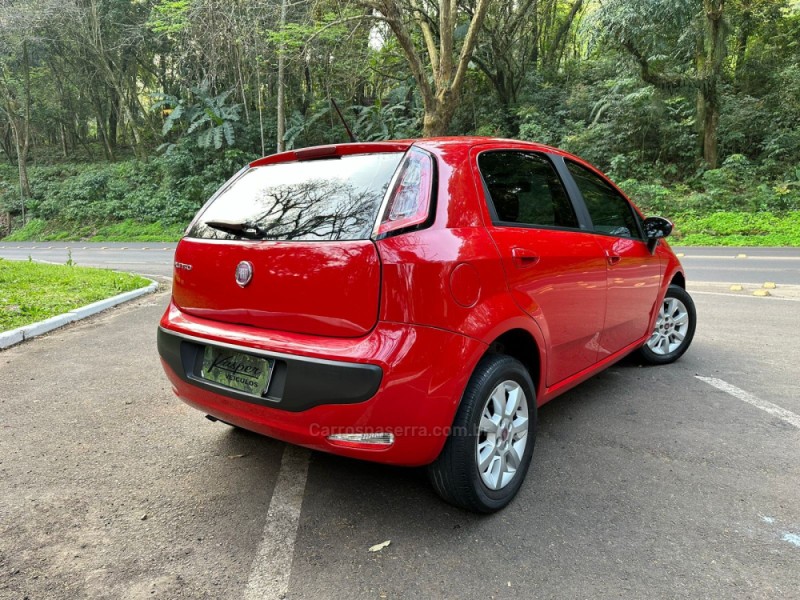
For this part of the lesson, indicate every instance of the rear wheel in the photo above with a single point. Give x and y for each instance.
(487, 455)
(674, 328)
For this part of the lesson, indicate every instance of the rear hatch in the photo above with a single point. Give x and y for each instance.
(302, 229)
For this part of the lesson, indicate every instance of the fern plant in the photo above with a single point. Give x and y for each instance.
(208, 119)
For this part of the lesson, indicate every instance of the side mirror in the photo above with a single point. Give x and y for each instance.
(656, 228)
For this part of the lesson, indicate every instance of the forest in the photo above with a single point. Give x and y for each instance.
(119, 118)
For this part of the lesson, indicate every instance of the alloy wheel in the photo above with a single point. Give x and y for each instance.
(502, 435)
(672, 326)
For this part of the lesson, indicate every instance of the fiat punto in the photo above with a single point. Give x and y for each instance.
(415, 302)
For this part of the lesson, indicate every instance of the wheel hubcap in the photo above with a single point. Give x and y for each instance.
(671, 327)
(502, 435)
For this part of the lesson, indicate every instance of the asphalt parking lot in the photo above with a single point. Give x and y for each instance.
(646, 481)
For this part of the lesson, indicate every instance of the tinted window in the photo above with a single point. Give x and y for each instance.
(609, 211)
(525, 188)
(331, 199)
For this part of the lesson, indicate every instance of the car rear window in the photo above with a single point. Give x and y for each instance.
(324, 200)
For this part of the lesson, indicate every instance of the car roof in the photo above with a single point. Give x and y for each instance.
(440, 146)
(474, 140)
(436, 145)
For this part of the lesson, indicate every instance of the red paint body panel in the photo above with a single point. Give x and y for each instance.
(559, 279)
(291, 287)
(424, 305)
(633, 288)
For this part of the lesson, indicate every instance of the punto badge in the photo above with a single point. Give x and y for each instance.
(244, 273)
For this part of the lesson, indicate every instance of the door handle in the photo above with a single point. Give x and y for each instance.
(613, 259)
(523, 258)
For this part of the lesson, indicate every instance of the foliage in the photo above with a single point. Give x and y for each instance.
(31, 292)
(734, 187)
(386, 121)
(80, 199)
(208, 118)
(124, 231)
(739, 229)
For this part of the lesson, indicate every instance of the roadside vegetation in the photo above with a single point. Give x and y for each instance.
(31, 292)
(119, 118)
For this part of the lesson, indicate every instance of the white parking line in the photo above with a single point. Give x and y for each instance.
(773, 409)
(269, 575)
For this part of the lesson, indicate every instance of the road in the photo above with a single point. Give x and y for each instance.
(741, 265)
(154, 259)
(721, 265)
(646, 481)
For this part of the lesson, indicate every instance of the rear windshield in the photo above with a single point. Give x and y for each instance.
(324, 200)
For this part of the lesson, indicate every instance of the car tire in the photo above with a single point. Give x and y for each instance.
(674, 329)
(477, 438)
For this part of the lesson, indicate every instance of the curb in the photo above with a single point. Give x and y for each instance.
(20, 334)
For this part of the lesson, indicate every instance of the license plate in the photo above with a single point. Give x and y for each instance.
(238, 371)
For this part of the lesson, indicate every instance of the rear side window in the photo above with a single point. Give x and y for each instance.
(525, 189)
(323, 200)
(609, 211)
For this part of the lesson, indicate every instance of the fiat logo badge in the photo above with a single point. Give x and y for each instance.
(244, 273)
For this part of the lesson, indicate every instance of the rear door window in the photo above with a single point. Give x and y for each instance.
(611, 214)
(525, 189)
(323, 200)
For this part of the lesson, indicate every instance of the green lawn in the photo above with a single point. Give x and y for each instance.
(738, 229)
(37, 230)
(31, 292)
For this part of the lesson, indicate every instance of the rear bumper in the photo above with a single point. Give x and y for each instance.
(401, 379)
(298, 383)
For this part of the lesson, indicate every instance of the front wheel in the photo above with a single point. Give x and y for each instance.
(487, 455)
(674, 328)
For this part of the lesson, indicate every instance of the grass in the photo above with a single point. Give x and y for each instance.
(125, 231)
(31, 292)
(738, 229)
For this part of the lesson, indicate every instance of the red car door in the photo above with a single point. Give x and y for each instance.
(634, 274)
(555, 270)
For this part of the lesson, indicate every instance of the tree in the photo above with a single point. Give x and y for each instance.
(281, 100)
(520, 38)
(676, 47)
(17, 107)
(15, 86)
(439, 26)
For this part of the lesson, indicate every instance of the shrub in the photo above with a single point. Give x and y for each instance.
(82, 198)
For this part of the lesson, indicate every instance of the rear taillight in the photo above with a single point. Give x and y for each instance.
(410, 198)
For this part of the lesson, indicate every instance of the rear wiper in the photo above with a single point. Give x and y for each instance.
(250, 231)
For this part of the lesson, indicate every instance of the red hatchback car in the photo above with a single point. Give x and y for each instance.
(414, 302)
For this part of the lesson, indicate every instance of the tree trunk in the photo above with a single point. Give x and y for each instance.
(436, 121)
(433, 124)
(103, 135)
(21, 139)
(63, 134)
(24, 183)
(21, 128)
(113, 118)
(710, 127)
(281, 85)
(700, 124)
(7, 144)
(709, 85)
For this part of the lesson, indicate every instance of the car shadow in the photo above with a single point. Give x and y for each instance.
(349, 503)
